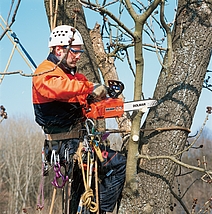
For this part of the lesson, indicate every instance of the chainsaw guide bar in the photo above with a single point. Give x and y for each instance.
(137, 105)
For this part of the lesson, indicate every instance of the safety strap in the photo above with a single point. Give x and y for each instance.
(23, 49)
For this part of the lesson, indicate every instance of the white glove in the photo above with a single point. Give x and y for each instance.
(99, 92)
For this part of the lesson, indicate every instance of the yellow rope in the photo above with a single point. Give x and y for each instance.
(53, 18)
(51, 14)
(96, 184)
(88, 196)
(53, 199)
(55, 14)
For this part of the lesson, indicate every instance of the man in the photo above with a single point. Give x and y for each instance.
(59, 93)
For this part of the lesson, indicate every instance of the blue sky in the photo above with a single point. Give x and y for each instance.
(31, 27)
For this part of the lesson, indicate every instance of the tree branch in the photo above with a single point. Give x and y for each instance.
(174, 159)
(111, 15)
(169, 37)
(13, 20)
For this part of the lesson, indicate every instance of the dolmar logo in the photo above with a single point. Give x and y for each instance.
(117, 108)
(138, 105)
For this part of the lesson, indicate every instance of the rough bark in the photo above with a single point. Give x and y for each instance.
(108, 71)
(177, 91)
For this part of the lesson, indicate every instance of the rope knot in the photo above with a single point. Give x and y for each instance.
(87, 198)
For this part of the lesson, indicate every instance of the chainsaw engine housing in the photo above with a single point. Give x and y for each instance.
(108, 108)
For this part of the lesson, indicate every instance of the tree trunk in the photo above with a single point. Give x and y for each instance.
(108, 71)
(177, 91)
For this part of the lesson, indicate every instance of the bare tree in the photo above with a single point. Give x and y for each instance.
(178, 89)
(150, 174)
(191, 186)
(20, 146)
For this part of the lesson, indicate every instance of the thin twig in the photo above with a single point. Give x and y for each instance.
(12, 21)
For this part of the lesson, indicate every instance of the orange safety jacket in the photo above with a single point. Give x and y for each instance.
(58, 97)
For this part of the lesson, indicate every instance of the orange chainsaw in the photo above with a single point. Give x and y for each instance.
(113, 106)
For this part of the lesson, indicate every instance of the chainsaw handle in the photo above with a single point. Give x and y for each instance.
(115, 88)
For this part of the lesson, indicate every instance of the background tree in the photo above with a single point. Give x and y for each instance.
(20, 146)
(188, 185)
(193, 187)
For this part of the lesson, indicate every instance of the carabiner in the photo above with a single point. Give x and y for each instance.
(58, 175)
(54, 158)
(87, 127)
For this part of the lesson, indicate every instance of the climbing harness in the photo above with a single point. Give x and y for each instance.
(87, 154)
(90, 145)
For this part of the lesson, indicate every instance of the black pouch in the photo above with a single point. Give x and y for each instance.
(112, 175)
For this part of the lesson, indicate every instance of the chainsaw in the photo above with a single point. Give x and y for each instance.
(113, 106)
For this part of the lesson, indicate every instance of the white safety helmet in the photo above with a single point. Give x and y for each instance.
(61, 35)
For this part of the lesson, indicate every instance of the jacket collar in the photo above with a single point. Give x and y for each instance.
(51, 57)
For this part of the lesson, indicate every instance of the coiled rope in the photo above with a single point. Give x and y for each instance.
(88, 196)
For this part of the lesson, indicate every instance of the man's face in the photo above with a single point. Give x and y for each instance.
(73, 54)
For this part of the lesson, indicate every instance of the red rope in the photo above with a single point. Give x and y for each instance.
(41, 192)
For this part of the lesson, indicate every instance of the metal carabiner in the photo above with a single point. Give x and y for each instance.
(58, 175)
(66, 155)
(86, 144)
(54, 158)
(87, 127)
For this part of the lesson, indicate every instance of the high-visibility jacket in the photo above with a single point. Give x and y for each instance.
(57, 96)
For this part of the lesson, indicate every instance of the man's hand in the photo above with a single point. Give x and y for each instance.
(99, 92)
